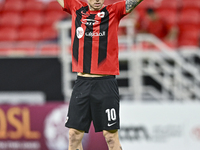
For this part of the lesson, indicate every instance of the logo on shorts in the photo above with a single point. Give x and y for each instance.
(79, 32)
(111, 124)
(66, 119)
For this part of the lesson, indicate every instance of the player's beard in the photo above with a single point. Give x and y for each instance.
(95, 8)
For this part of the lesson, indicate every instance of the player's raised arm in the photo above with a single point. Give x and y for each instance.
(61, 2)
(131, 4)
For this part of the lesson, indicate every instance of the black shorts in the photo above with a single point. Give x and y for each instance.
(94, 99)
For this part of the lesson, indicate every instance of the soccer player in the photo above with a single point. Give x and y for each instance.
(95, 95)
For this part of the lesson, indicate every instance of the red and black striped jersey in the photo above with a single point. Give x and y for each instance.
(94, 37)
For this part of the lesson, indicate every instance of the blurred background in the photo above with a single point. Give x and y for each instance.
(159, 79)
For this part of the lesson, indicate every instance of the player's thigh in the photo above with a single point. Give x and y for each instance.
(79, 116)
(105, 106)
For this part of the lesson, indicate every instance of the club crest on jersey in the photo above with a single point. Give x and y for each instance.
(79, 32)
(101, 14)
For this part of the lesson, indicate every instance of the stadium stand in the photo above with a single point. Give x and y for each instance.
(8, 34)
(49, 49)
(189, 21)
(190, 5)
(28, 20)
(25, 47)
(33, 5)
(13, 6)
(173, 19)
(36, 19)
(51, 16)
(29, 33)
(48, 33)
(53, 5)
(27, 28)
(189, 37)
(10, 19)
(19, 18)
(166, 5)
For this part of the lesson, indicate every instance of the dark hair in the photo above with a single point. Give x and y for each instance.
(150, 10)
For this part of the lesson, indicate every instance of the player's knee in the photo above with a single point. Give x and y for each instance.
(110, 137)
(75, 136)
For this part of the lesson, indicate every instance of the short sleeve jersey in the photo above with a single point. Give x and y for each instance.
(94, 37)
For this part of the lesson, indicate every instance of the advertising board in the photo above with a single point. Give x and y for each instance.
(40, 127)
(155, 126)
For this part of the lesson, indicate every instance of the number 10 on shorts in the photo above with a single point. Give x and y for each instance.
(111, 113)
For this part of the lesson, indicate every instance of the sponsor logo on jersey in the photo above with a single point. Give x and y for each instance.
(95, 34)
(89, 21)
(79, 32)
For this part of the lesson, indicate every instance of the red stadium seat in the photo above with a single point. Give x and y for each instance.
(169, 5)
(29, 34)
(8, 34)
(13, 5)
(173, 19)
(14, 0)
(189, 18)
(191, 5)
(1, 5)
(33, 5)
(49, 33)
(51, 17)
(53, 5)
(10, 19)
(189, 22)
(33, 19)
(189, 37)
(50, 49)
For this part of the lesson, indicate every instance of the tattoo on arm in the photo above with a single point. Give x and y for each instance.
(131, 4)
